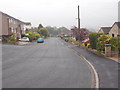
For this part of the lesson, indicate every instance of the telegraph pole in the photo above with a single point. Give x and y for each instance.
(78, 18)
(79, 24)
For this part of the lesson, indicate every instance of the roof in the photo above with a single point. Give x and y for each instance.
(117, 23)
(106, 29)
(11, 17)
(28, 23)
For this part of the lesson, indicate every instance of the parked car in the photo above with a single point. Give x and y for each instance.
(24, 39)
(40, 40)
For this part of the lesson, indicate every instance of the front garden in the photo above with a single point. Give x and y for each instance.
(96, 43)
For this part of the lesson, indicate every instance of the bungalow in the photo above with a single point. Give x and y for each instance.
(104, 30)
(115, 30)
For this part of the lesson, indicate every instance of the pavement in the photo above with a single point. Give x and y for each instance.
(45, 65)
(117, 59)
(107, 69)
(23, 43)
(0, 66)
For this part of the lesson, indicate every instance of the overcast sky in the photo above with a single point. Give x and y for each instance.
(93, 13)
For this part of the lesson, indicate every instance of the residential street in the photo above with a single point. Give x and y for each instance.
(44, 65)
(107, 69)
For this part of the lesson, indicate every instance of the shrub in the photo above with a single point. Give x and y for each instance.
(88, 45)
(36, 36)
(102, 40)
(76, 42)
(70, 40)
(33, 36)
(115, 44)
(12, 39)
(93, 39)
(43, 31)
(83, 44)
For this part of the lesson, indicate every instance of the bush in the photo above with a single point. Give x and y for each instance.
(33, 36)
(76, 42)
(93, 39)
(43, 31)
(83, 44)
(102, 40)
(88, 45)
(12, 39)
(115, 44)
(70, 40)
(36, 36)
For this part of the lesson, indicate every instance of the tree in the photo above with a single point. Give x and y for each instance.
(40, 26)
(54, 31)
(81, 34)
(33, 36)
(43, 31)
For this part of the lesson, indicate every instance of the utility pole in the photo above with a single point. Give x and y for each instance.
(79, 24)
(78, 18)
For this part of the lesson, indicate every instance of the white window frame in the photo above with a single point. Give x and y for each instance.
(12, 29)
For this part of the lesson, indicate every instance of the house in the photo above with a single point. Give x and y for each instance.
(115, 30)
(10, 25)
(27, 27)
(82, 33)
(0, 24)
(104, 30)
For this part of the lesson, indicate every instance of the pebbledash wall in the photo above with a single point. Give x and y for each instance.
(0, 23)
(115, 30)
(10, 25)
(0, 52)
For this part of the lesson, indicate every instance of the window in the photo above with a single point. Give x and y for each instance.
(118, 35)
(112, 35)
(14, 21)
(12, 29)
(9, 20)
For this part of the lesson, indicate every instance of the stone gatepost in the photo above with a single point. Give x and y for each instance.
(108, 50)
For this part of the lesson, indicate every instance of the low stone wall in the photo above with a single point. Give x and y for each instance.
(94, 51)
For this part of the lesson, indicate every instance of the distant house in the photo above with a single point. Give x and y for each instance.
(27, 27)
(66, 33)
(82, 33)
(115, 30)
(104, 30)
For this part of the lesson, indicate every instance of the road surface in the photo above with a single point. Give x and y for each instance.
(45, 65)
(107, 69)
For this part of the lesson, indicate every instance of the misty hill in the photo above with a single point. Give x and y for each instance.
(54, 31)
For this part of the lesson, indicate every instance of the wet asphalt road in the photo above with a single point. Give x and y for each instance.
(107, 69)
(44, 65)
